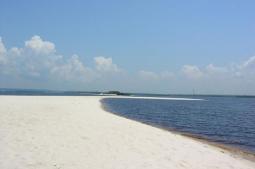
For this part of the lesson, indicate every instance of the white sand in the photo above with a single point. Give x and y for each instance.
(66, 132)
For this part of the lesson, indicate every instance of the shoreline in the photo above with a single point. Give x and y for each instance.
(75, 132)
(234, 150)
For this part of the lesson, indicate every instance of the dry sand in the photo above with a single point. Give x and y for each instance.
(74, 132)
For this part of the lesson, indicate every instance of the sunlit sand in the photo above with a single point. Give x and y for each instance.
(74, 132)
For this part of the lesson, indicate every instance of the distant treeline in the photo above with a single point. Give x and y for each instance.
(116, 93)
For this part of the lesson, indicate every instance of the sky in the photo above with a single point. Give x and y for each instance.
(171, 47)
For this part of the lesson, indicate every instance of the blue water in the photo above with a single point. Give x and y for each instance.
(226, 120)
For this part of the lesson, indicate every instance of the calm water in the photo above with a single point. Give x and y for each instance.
(226, 120)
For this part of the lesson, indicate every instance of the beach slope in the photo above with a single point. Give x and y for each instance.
(74, 132)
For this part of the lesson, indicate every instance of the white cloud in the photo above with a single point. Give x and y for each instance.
(39, 46)
(38, 60)
(249, 64)
(104, 64)
(2, 52)
(192, 71)
(233, 71)
(211, 69)
(72, 69)
(246, 69)
(15, 51)
(42, 62)
(2, 47)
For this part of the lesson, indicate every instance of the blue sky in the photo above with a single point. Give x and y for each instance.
(137, 46)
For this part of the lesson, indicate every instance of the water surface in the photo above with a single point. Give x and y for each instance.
(226, 120)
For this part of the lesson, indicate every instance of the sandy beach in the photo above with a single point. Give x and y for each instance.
(74, 132)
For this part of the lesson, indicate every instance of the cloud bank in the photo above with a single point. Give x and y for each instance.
(39, 60)
(38, 65)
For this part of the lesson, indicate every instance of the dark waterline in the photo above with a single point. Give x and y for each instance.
(225, 120)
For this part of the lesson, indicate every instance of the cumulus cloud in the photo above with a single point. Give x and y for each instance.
(15, 51)
(104, 64)
(2, 47)
(2, 52)
(35, 59)
(232, 71)
(37, 45)
(192, 71)
(72, 69)
(38, 59)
